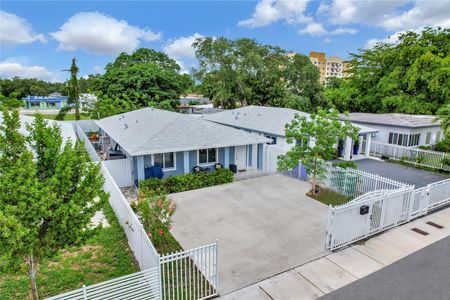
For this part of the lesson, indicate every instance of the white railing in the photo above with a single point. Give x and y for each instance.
(416, 156)
(141, 285)
(190, 274)
(353, 182)
(377, 211)
(121, 171)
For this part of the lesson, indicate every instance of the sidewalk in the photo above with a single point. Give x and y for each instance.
(341, 268)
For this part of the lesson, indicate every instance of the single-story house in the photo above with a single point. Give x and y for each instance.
(178, 142)
(45, 102)
(270, 122)
(400, 129)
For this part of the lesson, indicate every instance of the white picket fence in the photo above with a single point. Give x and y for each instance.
(380, 210)
(141, 285)
(353, 182)
(416, 156)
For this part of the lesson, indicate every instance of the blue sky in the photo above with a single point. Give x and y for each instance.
(38, 39)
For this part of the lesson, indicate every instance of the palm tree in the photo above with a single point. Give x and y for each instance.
(443, 115)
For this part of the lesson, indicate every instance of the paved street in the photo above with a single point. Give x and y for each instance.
(399, 172)
(422, 275)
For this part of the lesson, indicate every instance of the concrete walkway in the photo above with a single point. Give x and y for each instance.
(338, 269)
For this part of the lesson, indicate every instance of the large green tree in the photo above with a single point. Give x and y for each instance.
(144, 76)
(46, 201)
(444, 118)
(244, 72)
(314, 140)
(23, 87)
(410, 76)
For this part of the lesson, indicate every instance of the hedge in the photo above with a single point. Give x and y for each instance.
(187, 182)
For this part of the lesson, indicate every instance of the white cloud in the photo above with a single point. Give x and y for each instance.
(343, 30)
(424, 13)
(12, 69)
(99, 70)
(15, 31)
(98, 33)
(392, 39)
(182, 46)
(270, 11)
(314, 29)
(395, 15)
(326, 40)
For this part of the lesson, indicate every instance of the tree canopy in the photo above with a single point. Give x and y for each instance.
(244, 72)
(410, 76)
(49, 193)
(144, 76)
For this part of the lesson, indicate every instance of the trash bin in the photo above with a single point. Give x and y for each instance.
(233, 168)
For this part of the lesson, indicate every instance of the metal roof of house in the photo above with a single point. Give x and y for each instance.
(395, 119)
(270, 120)
(149, 131)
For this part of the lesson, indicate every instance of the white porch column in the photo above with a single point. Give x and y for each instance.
(140, 167)
(347, 148)
(254, 162)
(361, 138)
(368, 142)
(186, 161)
(227, 158)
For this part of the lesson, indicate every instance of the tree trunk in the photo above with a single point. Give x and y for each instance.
(314, 178)
(32, 267)
(77, 109)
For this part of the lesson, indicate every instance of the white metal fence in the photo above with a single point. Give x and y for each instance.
(416, 156)
(379, 210)
(190, 274)
(121, 171)
(353, 182)
(141, 285)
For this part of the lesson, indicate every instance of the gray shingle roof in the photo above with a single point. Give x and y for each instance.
(149, 130)
(270, 120)
(265, 119)
(396, 119)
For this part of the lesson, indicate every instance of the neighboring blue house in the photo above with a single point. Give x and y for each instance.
(45, 102)
(178, 142)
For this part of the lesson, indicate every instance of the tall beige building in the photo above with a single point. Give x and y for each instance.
(332, 66)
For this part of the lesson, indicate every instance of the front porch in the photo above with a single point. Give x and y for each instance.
(350, 149)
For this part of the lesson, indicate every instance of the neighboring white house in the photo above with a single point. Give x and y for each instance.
(177, 143)
(270, 122)
(400, 129)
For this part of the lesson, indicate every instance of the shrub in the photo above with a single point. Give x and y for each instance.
(443, 146)
(345, 164)
(420, 159)
(446, 161)
(186, 182)
(404, 158)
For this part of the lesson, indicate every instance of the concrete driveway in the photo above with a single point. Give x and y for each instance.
(398, 172)
(264, 225)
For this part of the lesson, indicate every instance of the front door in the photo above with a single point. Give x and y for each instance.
(241, 157)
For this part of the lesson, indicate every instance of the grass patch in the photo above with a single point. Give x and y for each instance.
(68, 117)
(327, 196)
(104, 256)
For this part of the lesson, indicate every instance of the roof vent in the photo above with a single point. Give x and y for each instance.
(125, 126)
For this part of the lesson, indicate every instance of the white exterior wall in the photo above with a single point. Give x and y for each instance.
(382, 136)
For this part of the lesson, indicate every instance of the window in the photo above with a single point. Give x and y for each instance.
(428, 138)
(273, 138)
(207, 156)
(402, 139)
(414, 139)
(164, 160)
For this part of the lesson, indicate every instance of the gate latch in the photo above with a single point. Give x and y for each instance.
(364, 210)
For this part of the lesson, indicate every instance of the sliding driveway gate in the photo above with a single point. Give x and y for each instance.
(378, 210)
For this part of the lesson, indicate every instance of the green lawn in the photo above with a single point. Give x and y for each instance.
(104, 256)
(328, 197)
(68, 117)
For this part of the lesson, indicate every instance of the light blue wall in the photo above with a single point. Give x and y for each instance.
(222, 157)
(192, 159)
(179, 166)
(232, 155)
(250, 154)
